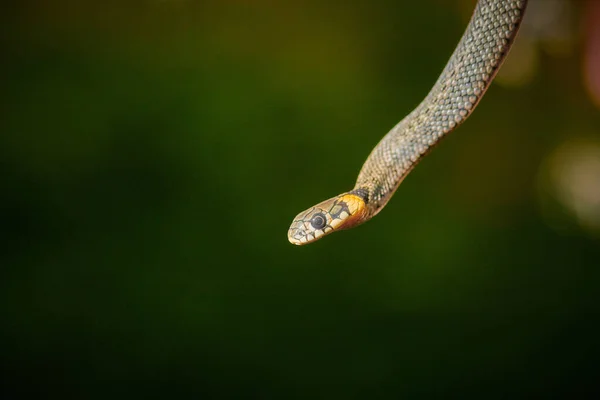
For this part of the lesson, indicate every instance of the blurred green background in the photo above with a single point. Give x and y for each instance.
(153, 154)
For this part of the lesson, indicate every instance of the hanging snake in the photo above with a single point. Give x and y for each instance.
(461, 85)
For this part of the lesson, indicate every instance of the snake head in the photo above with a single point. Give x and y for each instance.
(338, 213)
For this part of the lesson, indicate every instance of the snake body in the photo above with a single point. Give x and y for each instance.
(461, 85)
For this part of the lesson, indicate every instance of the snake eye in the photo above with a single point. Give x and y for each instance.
(318, 221)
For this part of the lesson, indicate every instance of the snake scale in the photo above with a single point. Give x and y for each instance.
(461, 85)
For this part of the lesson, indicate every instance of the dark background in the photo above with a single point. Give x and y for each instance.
(153, 154)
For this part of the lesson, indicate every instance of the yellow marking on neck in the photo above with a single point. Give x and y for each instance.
(357, 208)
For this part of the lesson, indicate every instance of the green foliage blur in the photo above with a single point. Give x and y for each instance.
(153, 154)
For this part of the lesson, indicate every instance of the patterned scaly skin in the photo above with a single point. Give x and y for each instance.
(452, 99)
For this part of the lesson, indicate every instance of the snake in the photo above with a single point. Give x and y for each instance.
(464, 80)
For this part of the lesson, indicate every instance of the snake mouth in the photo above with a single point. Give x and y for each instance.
(300, 235)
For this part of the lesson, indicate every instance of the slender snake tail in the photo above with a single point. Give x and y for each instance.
(461, 85)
